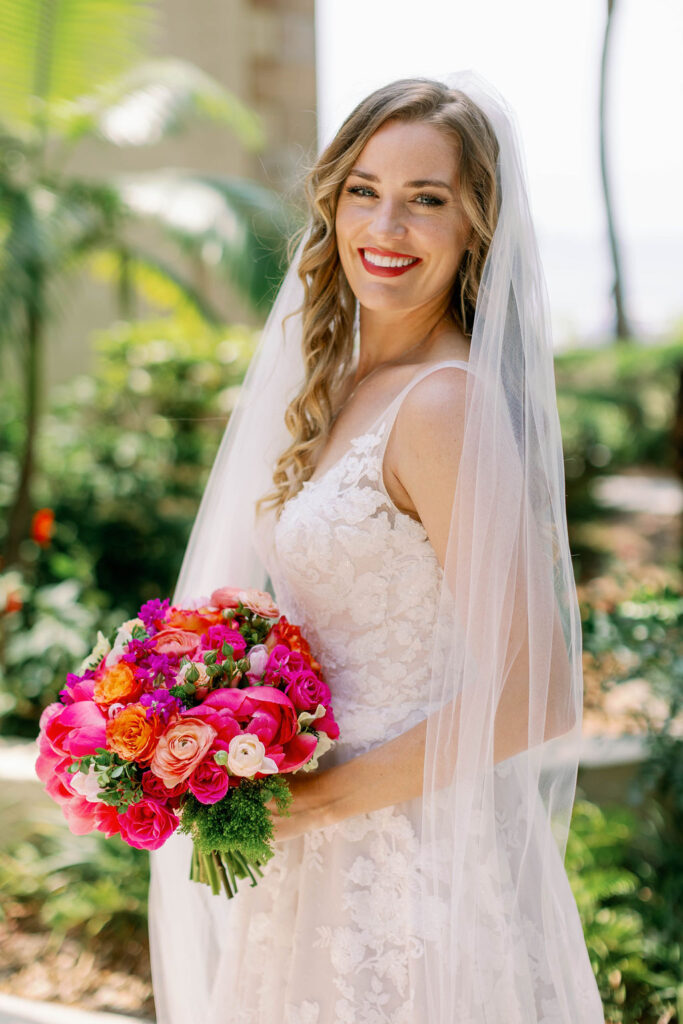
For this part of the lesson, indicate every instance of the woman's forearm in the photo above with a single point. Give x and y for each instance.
(388, 774)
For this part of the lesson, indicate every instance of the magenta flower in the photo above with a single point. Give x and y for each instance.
(147, 824)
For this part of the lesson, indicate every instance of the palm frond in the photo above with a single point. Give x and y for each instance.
(154, 100)
(237, 227)
(156, 281)
(60, 49)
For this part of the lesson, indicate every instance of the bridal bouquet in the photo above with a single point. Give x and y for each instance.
(189, 720)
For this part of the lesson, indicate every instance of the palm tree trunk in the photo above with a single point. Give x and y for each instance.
(622, 326)
(20, 512)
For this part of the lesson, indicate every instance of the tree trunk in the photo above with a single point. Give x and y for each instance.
(20, 512)
(622, 325)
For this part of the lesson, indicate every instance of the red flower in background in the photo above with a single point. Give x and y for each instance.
(42, 526)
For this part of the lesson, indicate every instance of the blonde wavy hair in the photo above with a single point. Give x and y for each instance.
(328, 307)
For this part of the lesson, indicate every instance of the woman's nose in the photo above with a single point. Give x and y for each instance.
(388, 220)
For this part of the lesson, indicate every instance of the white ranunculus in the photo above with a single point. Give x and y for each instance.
(247, 756)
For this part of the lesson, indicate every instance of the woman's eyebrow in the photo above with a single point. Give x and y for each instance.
(419, 183)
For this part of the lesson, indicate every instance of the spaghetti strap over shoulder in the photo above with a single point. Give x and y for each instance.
(391, 411)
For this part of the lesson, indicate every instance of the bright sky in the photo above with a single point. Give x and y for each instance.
(543, 56)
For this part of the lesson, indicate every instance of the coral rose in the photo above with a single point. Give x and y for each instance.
(147, 824)
(118, 683)
(180, 749)
(175, 642)
(132, 735)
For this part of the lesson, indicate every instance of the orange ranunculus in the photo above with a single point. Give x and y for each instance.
(42, 526)
(283, 632)
(197, 621)
(118, 683)
(132, 735)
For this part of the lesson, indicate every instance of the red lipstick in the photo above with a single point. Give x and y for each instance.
(387, 271)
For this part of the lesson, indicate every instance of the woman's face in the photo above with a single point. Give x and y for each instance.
(400, 205)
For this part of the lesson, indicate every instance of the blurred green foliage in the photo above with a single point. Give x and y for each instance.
(124, 455)
(615, 880)
(617, 409)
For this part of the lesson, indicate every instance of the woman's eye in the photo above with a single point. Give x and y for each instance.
(423, 199)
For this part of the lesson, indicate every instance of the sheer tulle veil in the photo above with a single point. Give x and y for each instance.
(502, 936)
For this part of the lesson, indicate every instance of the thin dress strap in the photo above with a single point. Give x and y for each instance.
(389, 415)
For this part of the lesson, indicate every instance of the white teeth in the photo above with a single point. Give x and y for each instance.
(388, 261)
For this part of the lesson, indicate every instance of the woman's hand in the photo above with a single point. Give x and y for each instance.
(306, 810)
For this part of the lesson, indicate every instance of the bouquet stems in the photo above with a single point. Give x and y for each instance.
(221, 868)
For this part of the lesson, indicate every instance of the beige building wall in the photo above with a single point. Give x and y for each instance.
(264, 52)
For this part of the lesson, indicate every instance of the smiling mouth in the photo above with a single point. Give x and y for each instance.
(387, 264)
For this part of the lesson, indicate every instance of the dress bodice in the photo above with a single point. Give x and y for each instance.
(363, 581)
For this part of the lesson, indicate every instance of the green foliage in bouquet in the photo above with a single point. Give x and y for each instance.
(233, 845)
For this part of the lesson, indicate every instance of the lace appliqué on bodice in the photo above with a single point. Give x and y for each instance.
(363, 580)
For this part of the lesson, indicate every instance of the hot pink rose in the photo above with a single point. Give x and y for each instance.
(180, 749)
(175, 642)
(78, 729)
(147, 824)
(209, 781)
(284, 664)
(216, 636)
(306, 691)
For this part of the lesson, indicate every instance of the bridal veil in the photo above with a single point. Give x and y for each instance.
(503, 940)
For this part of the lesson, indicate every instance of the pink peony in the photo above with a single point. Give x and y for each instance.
(78, 729)
(327, 724)
(175, 642)
(209, 781)
(80, 815)
(147, 824)
(263, 710)
(181, 748)
(306, 691)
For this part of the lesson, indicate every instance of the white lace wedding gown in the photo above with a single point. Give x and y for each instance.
(330, 935)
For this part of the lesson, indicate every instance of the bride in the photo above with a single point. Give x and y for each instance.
(394, 469)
